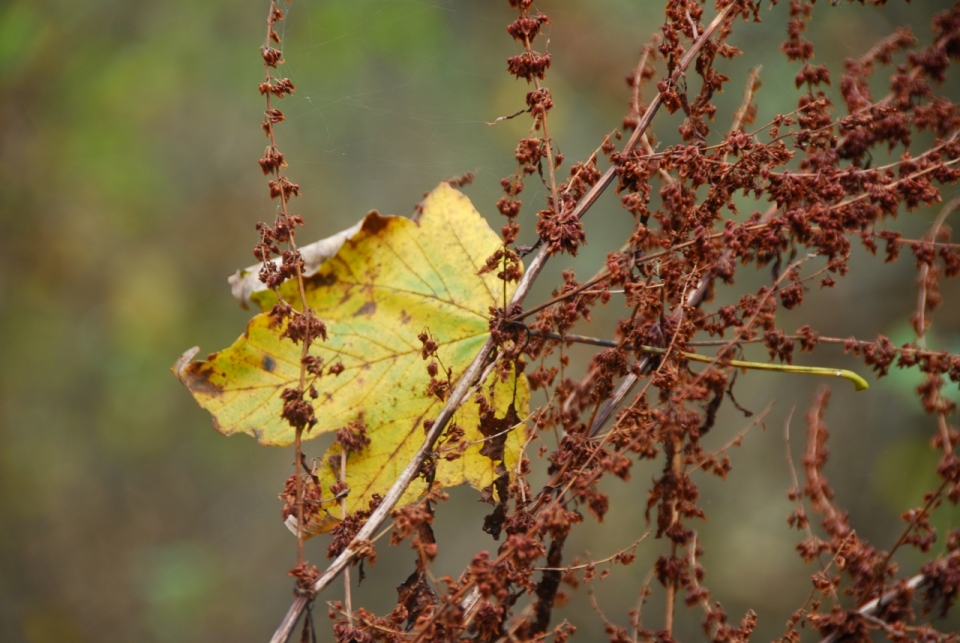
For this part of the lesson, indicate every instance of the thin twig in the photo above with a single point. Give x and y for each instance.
(933, 500)
(669, 607)
(594, 563)
(741, 434)
(925, 271)
(636, 619)
(347, 595)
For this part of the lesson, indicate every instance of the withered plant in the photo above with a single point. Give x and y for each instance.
(644, 396)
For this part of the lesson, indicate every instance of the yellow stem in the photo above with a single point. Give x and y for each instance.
(858, 382)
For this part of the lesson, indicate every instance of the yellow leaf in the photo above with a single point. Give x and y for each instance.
(392, 280)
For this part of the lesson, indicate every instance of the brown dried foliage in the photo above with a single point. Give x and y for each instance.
(814, 167)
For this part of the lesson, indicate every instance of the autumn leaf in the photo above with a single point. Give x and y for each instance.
(393, 280)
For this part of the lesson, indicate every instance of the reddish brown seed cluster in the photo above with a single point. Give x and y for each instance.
(346, 529)
(353, 437)
(813, 169)
(281, 261)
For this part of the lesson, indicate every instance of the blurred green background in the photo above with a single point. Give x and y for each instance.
(129, 188)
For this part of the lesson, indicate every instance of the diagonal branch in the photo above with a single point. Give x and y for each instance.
(872, 607)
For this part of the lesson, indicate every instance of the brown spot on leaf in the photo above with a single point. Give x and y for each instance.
(373, 223)
(269, 363)
(367, 309)
(197, 378)
(321, 279)
(404, 317)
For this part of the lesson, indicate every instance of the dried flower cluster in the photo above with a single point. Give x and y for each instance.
(639, 399)
(302, 493)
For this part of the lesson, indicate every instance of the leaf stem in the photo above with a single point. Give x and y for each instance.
(858, 382)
